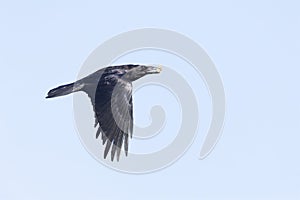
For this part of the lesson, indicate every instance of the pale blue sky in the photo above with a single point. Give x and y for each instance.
(255, 46)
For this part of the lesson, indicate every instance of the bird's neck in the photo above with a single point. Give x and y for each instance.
(130, 76)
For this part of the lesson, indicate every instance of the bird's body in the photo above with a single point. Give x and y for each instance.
(110, 91)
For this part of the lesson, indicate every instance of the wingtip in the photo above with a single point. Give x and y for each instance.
(105, 155)
(98, 133)
(107, 149)
(113, 151)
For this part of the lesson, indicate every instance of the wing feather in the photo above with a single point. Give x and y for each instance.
(113, 108)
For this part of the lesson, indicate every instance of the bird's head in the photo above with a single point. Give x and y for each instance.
(141, 70)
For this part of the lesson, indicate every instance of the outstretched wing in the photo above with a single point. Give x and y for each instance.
(113, 112)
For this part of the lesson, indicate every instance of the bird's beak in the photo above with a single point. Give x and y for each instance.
(154, 70)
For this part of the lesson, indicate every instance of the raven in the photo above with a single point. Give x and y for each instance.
(110, 91)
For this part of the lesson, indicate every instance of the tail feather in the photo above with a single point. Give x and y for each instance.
(62, 90)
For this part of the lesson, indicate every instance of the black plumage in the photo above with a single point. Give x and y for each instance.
(110, 91)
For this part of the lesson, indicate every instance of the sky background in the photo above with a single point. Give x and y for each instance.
(255, 46)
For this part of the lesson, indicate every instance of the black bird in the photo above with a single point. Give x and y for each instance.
(110, 90)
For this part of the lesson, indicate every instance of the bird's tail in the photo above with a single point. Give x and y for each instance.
(63, 90)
